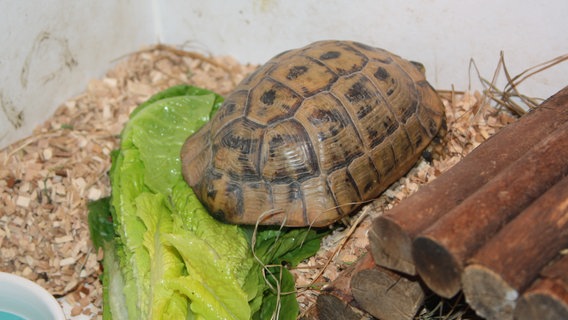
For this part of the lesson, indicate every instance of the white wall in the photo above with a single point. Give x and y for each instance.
(442, 34)
(50, 49)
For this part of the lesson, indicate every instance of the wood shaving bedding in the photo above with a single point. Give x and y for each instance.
(47, 179)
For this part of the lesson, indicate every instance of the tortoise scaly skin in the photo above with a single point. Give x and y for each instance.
(311, 135)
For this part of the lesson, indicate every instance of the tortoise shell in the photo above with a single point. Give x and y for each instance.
(311, 135)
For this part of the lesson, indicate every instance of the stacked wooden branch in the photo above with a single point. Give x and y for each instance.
(366, 288)
(491, 223)
(547, 298)
(495, 226)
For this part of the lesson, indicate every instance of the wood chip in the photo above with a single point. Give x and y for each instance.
(23, 201)
(63, 239)
(76, 310)
(66, 262)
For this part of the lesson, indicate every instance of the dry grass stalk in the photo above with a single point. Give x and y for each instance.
(506, 97)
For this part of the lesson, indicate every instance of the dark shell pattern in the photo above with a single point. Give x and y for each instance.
(311, 135)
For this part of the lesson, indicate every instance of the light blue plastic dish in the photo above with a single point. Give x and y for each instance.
(20, 297)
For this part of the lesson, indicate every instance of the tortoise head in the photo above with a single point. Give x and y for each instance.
(419, 66)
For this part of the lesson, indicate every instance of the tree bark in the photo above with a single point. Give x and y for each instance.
(510, 261)
(391, 235)
(440, 251)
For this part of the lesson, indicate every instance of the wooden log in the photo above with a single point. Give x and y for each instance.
(547, 298)
(365, 288)
(336, 300)
(387, 295)
(510, 261)
(391, 234)
(341, 286)
(440, 251)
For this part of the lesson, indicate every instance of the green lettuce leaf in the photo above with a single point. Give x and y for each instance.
(281, 297)
(233, 252)
(158, 133)
(178, 91)
(214, 293)
(100, 222)
(279, 249)
(165, 264)
(134, 260)
(102, 235)
(114, 299)
(216, 256)
(155, 262)
(165, 256)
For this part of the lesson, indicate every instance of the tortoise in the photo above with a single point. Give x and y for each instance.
(311, 135)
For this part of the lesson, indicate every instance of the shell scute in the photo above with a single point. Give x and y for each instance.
(344, 191)
(271, 101)
(373, 119)
(236, 149)
(326, 121)
(304, 75)
(365, 175)
(340, 58)
(286, 155)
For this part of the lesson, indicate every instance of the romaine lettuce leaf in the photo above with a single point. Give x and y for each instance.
(167, 255)
(100, 222)
(158, 133)
(178, 91)
(228, 242)
(102, 235)
(155, 260)
(214, 293)
(216, 257)
(134, 260)
(165, 302)
(114, 300)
